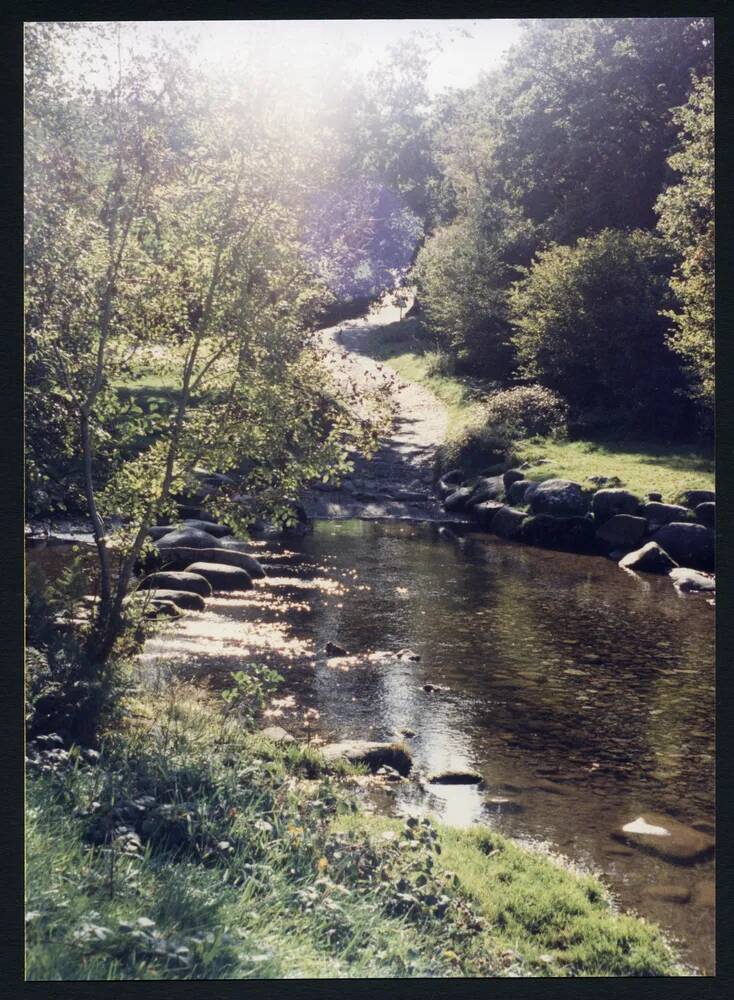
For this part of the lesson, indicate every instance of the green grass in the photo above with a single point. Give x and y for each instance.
(190, 849)
(642, 465)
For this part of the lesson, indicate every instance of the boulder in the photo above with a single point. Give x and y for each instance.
(218, 530)
(181, 598)
(160, 531)
(622, 531)
(689, 544)
(692, 498)
(332, 649)
(276, 735)
(706, 514)
(180, 558)
(691, 581)
(654, 496)
(518, 490)
(177, 581)
(657, 514)
(512, 476)
(561, 497)
(222, 577)
(483, 513)
(455, 777)
(458, 499)
(448, 483)
(665, 837)
(486, 488)
(187, 538)
(373, 755)
(575, 534)
(160, 608)
(651, 558)
(506, 522)
(607, 503)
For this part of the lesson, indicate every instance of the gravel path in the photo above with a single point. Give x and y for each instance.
(396, 482)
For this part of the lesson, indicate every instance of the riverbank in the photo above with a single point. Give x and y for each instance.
(189, 848)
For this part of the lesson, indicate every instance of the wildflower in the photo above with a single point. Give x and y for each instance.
(322, 865)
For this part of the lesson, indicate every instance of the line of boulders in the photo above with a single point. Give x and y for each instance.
(642, 535)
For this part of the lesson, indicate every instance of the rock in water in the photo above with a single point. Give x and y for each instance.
(222, 577)
(188, 538)
(622, 531)
(669, 893)
(180, 558)
(181, 598)
(691, 581)
(651, 558)
(689, 544)
(575, 534)
(217, 530)
(177, 581)
(457, 776)
(607, 503)
(457, 500)
(483, 513)
(332, 649)
(665, 837)
(373, 755)
(506, 522)
(561, 497)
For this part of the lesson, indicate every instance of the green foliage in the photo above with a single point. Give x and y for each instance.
(249, 691)
(531, 409)
(686, 218)
(478, 446)
(589, 325)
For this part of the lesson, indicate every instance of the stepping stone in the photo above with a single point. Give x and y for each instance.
(666, 837)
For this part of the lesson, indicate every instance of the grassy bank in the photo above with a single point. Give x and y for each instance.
(642, 464)
(190, 849)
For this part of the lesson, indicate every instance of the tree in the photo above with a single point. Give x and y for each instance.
(589, 325)
(686, 218)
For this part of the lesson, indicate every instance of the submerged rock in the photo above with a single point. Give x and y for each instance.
(651, 558)
(455, 777)
(483, 513)
(665, 837)
(222, 577)
(669, 893)
(373, 755)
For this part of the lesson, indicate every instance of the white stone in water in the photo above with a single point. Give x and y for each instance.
(641, 826)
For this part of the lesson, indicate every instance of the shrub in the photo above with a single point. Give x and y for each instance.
(532, 409)
(588, 325)
(477, 448)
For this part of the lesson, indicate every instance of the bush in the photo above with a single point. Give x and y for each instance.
(478, 447)
(589, 325)
(532, 409)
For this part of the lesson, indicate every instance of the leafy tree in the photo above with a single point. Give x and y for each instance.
(686, 211)
(589, 325)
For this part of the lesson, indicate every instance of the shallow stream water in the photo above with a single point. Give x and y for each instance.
(583, 694)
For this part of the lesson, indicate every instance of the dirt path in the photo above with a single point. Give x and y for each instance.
(396, 482)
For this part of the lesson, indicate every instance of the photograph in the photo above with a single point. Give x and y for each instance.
(370, 499)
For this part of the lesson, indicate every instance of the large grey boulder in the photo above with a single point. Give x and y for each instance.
(449, 483)
(180, 558)
(483, 513)
(506, 522)
(218, 530)
(692, 498)
(222, 577)
(622, 531)
(575, 534)
(706, 514)
(188, 538)
(651, 558)
(692, 581)
(657, 514)
(561, 497)
(518, 491)
(373, 755)
(191, 582)
(487, 488)
(689, 544)
(458, 499)
(607, 503)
